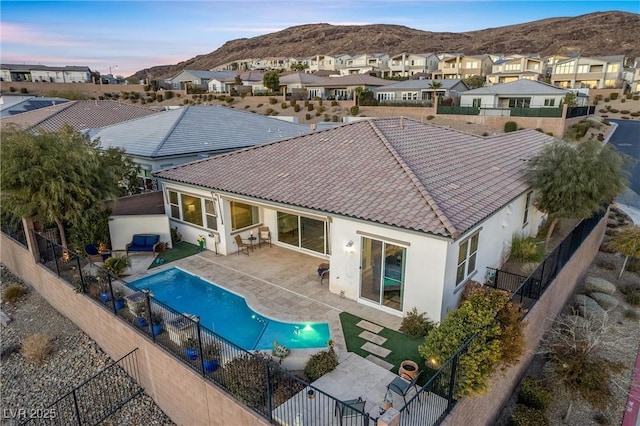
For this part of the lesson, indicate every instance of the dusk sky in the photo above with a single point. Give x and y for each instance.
(134, 35)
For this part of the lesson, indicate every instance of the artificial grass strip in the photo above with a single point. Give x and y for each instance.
(402, 346)
(179, 251)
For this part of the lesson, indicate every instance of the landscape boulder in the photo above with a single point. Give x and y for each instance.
(598, 285)
(606, 301)
(589, 308)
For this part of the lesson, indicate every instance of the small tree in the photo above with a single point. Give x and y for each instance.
(575, 181)
(474, 82)
(570, 99)
(435, 85)
(271, 81)
(627, 242)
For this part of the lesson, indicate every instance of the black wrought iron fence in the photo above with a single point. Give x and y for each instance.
(96, 398)
(580, 111)
(13, 228)
(529, 289)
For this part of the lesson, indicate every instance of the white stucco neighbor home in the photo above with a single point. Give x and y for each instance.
(405, 212)
(177, 136)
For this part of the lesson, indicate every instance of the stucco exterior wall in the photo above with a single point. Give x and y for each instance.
(122, 228)
(182, 394)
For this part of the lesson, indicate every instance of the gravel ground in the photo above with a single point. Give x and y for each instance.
(75, 358)
(622, 344)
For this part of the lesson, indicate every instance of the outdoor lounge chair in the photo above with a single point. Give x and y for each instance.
(402, 387)
(94, 255)
(242, 245)
(264, 235)
(350, 408)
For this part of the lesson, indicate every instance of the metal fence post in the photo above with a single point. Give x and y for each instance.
(55, 257)
(452, 381)
(146, 292)
(75, 404)
(82, 286)
(268, 381)
(113, 300)
(197, 321)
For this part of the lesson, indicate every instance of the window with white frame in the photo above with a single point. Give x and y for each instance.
(191, 209)
(512, 67)
(210, 214)
(565, 68)
(549, 102)
(583, 69)
(194, 209)
(409, 96)
(612, 68)
(527, 205)
(519, 102)
(477, 102)
(243, 215)
(467, 253)
(173, 203)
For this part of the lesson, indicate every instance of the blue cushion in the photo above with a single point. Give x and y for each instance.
(138, 240)
(151, 240)
(91, 250)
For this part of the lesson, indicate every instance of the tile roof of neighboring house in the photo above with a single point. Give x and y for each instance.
(392, 171)
(139, 204)
(252, 76)
(78, 114)
(27, 103)
(351, 80)
(612, 58)
(301, 78)
(446, 83)
(34, 67)
(195, 129)
(518, 87)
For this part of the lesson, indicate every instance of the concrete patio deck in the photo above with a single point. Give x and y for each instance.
(276, 282)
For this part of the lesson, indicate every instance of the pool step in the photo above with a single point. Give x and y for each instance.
(381, 362)
(374, 338)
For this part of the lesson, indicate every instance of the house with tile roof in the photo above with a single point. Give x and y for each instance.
(12, 105)
(43, 73)
(343, 87)
(588, 72)
(196, 78)
(419, 91)
(80, 115)
(462, 66)
(367, 63)
(516, 94)
(181, 135)
(405, 212)
(407, 64)
(507, 70)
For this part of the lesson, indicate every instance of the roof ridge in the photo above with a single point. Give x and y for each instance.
(419, 186)
(183, 111)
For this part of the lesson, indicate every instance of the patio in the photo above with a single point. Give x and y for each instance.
(276, 282)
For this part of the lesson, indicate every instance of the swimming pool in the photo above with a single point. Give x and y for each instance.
(228, 314)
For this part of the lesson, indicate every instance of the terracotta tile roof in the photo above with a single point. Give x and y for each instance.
(393, 171)
(80, 115)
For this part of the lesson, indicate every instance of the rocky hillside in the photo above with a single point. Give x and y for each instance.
(603, 33)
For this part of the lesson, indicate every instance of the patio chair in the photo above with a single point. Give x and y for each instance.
(264, 235)
(323, 272)
(242, 246)
(402, 387)
(94, 255)
(350, 408)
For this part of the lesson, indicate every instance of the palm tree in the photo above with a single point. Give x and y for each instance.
(435, 85)
(627, 242)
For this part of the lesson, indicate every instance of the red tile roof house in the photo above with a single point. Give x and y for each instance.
(406, 212)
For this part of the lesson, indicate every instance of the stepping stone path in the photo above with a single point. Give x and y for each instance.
(377, 352)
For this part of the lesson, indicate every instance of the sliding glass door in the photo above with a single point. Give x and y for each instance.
(382, 273)
(303, 232)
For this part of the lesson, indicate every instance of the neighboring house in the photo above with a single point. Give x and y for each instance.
(80, 115)
(517, 94)
(635, 81)
(405, 212)
(419, 91)
(376, 63)
(343, 87)
(517, 68)
(583, 72)
(298, 80)
(322, 62)
(255, 80)
(12, 105)
(221, 82)
(41, 73)
(178, 136)
(194, 78)
(407, 64)
(460, 66)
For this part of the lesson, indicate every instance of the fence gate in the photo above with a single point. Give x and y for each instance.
(96, 398)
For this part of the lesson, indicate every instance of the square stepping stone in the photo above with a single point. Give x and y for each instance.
(367, 335)
(376, 350)
(369, 326)
(381, 362)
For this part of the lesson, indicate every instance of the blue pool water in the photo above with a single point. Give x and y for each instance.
(228, 314)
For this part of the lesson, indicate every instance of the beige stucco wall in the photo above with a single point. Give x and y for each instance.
(180, 392)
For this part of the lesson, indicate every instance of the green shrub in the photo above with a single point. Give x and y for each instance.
(307, 116)
(13, 293)
(613, 96)
(310, 107)
(23, 90)
(602, 110)
(510, 126)
(292, 102)
(597, 99)
(159, 98)
(415, 324)
(321, 109)
(284, 105)
(525, 249)
(635, 114)
(258, 106)
(37, 347)
(318, 114)
(623, 100)
(334, 118)
(230, 100)
(629, 95)
(168, 94)
(334, 103)
(12, 89)
(274, 113)
(273, 101)
(534, 394)
(614, 110)
(631, 294)
(430, 117)
(320, 364)
(607, 99)
(636, 97)
(268, 111)
(527, 416)
(624, 111)
(243, 95)
(245, 377)
(354, 110)
(296, 108)
(117, 264)
(326, 119)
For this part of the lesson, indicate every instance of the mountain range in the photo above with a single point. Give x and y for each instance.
(594, 34)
